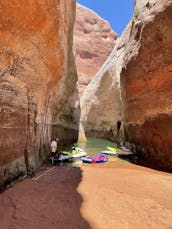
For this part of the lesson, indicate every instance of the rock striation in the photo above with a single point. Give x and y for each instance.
(94, 40)
(141, 61)
(38, 94)
(101, 103)
(146, 82)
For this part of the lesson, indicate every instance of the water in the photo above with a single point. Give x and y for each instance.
(95, 145)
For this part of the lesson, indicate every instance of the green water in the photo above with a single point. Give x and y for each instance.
(95, 145)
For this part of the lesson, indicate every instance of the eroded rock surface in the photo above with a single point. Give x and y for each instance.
(37, 84)
(146, 82)
(142, 62)
(101, 103)
(94, 41)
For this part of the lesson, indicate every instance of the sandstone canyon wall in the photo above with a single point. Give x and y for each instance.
(37, 85)
(146, 82)
(94, 40)
(142, 62)
(101, 103)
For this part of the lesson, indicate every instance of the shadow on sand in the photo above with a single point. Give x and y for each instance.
(51, 201)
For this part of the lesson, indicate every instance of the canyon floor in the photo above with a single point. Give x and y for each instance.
(101, 196)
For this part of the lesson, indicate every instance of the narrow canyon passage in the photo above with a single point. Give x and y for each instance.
(57, 74)
(104, 196)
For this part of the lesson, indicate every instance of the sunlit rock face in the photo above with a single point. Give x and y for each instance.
(37, 84)
(141, 67)
(101, 103)
(94, 40)
(146, 81)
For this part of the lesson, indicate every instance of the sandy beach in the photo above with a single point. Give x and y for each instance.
(107, 196)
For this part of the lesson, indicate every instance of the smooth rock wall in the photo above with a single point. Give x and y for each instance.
(146, 81)
(141, 66)
(94, 40)
(35, 62)
(101, 103)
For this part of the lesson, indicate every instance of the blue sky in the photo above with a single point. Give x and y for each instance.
(117, 13)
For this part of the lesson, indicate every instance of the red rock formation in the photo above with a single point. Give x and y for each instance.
(101, 103)
(94, 41)
(36, 61)
(147, 82)
(142, 61)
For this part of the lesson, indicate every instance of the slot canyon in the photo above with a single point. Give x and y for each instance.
(65, 73)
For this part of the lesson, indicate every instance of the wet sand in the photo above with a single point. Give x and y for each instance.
(107, 196)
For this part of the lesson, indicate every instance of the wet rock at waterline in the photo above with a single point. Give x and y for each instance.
(81, 136)
(37, 84)
(94, 41)
(146, 81)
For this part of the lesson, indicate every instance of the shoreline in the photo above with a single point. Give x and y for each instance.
(117, 194)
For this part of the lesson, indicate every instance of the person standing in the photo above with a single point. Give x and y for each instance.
(54, 151)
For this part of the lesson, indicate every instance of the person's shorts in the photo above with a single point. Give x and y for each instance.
(55, 154)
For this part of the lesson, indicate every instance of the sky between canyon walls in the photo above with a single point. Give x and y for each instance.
(116, 12)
